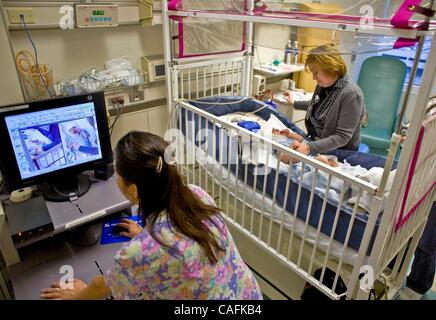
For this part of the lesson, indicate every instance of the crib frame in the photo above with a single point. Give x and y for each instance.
(230, 74)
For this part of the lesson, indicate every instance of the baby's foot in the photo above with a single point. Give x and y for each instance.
(322, 158)
(276, 131)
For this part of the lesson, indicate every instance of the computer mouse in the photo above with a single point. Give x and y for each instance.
(116, 230)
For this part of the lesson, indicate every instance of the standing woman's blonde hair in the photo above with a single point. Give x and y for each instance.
(327, 59)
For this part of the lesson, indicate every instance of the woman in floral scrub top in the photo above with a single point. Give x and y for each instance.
(187, 254)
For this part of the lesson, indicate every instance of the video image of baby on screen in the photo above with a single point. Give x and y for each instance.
(44, 146)
(79, 138)
(59, 144)
(49, 140)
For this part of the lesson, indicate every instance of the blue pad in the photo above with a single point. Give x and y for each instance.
(107, 237)
(249, 125)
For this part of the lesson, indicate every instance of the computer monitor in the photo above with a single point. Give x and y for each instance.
(51, 142)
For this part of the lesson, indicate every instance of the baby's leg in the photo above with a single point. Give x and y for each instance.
(324, 159)
(333, 163)
(285, 158)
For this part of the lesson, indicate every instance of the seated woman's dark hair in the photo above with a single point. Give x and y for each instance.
(140, 160)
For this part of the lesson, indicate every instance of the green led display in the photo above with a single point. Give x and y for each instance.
(98, 12)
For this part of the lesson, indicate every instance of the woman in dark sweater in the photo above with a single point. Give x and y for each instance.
(335, 113)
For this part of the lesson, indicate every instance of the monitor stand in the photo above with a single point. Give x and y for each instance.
(67, 188)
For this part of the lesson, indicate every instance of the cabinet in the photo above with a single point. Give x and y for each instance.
(158, 120)
(309, 38)
(153, 120)
(127, 122)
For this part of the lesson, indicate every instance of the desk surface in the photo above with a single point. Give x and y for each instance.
(102, 199)
(43, 256)
(41, 262)
(297, 95)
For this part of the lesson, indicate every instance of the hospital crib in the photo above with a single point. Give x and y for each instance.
(287, 221)
(288, 229)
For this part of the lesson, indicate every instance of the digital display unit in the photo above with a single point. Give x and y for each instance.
(53, 140)
(159, 70)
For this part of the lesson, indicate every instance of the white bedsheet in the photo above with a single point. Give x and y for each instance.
(265, 156)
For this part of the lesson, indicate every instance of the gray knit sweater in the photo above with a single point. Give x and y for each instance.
(342, 127)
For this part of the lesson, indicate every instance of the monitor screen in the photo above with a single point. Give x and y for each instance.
(159, 70)
(53, 139)
(48, 140)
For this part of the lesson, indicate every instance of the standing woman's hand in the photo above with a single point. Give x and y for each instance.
(292, 135)
(288, 96)
(301, 147)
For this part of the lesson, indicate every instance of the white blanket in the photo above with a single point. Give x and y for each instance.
(262, 154)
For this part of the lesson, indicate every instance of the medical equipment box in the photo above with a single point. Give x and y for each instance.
(28, 219)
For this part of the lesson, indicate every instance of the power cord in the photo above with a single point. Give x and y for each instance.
(119, 107)
(2, 185)
(258, 57)
(36, 55)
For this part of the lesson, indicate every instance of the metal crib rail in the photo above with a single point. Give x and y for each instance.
(365, 186)
(206, 78)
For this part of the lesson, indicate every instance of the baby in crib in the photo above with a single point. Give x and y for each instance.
(293, 140)
(290, 135)
(329, 160)
(372, 175)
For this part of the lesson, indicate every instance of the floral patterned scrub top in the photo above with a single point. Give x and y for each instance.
(144, 269)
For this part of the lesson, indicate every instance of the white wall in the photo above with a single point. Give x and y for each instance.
(276, 37)
(73, 52)
(10, 90)
(411, 103)
(272, 36)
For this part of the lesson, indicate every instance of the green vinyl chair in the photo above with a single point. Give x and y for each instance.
(381, 79)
